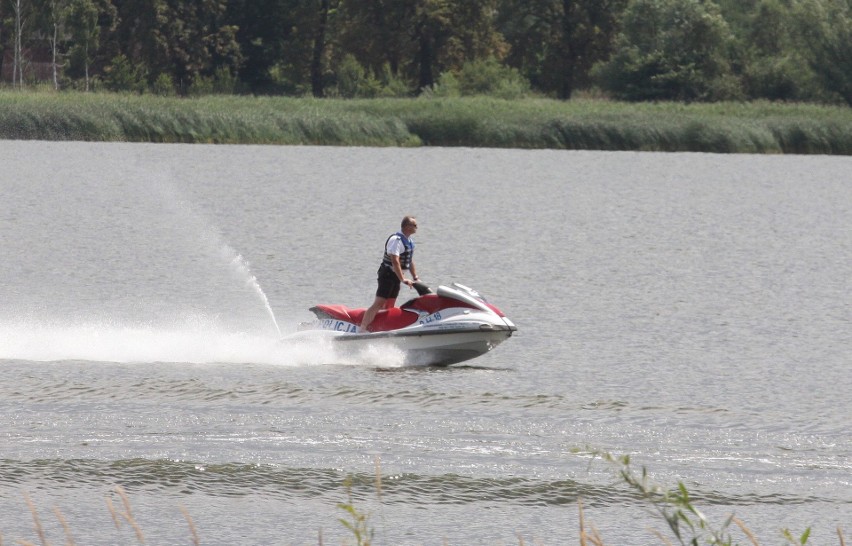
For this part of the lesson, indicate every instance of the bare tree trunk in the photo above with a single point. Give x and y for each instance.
(569, 55)
(319, 49)
(53, 46)
(425, 57)
(87, 66)
(18, 66)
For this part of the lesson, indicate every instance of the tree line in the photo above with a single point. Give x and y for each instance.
(690, 50)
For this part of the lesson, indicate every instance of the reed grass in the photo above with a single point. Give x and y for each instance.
(686, 523)
(583, 124)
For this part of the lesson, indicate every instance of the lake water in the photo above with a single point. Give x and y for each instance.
(690, 310)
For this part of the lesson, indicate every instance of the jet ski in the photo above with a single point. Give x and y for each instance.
(451, 325)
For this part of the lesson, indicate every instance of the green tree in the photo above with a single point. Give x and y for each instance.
(140, 35)
(185, 39)
(826, 29)
(55, 13)
(773, 55)
(121, 75)
(197, 40)
(85, 35)
(20, 11)
(318, 50)
(555, 43)
(448, 33)
(417, 39)
(377, 32)
(49, 23)
(671, 50)
(276, 42)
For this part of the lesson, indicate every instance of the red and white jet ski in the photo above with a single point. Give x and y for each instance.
(438, 329)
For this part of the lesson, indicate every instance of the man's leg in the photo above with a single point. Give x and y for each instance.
(370, 313)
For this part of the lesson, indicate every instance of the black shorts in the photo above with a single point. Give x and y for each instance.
(389, 283)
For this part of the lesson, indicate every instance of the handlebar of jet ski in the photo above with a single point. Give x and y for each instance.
(421, 288)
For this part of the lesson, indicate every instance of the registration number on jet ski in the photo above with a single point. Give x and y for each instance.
(431, 318)
(338, 325)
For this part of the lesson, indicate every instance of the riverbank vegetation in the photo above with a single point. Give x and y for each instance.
(684, 523)
(634, 50)
(579, 124)
(756, 76)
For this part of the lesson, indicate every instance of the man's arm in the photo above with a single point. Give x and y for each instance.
(397, 268)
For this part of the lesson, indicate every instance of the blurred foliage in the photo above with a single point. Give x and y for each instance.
(637, 50)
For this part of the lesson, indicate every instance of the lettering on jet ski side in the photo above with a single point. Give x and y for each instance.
(338, 325)
(431, 318)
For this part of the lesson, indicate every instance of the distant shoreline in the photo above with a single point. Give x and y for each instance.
(583, 124)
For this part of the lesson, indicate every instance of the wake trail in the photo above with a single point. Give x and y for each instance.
(195, 342)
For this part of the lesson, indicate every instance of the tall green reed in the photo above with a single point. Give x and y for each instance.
(583, 124)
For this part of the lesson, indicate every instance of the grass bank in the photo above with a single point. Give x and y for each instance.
(476, 122)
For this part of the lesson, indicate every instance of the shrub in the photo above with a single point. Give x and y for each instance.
(393, 85)
(163, 86)
(484, 78)
(786, 78)
(489, 77)
(446, 86)
(221, 83)
(353, 80)
(121, 75)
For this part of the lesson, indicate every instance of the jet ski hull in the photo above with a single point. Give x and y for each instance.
(449, 327)
(434, 347)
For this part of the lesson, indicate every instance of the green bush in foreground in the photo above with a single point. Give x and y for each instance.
(437, 121)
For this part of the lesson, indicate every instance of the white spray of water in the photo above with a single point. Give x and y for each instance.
(187, 336)
(195, 340)
(174, 199)
(241, 267)
(191, 340)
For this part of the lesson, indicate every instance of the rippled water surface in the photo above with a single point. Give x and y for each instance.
(691, 310)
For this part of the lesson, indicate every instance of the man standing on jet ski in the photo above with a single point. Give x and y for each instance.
(399, 256)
